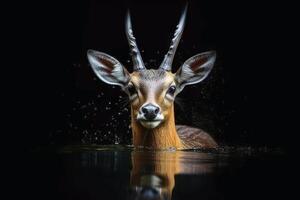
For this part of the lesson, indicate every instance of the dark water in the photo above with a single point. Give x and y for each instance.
(116, 172)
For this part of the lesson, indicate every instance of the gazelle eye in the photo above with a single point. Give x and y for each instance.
(131, 90)
(171, 90)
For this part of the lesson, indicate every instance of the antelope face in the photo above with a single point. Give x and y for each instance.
(152, 92)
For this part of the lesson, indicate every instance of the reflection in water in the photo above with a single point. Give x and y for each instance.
(115, 173)
(153, 173)
(141, 174)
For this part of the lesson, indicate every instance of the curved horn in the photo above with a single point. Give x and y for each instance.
(137, 60)
(167, 62)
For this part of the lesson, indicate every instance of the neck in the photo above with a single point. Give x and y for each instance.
(162, 137)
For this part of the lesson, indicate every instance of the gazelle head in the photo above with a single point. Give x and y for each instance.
(152, 92)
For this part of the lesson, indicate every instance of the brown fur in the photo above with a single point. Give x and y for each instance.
(151, 88)
(195, 138)
(167, 135)
(162, 137)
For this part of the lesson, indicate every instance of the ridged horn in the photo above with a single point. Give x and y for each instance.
(137, 60)
(168, 59)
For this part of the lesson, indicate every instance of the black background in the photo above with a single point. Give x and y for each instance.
(240, 103)
(245, 101)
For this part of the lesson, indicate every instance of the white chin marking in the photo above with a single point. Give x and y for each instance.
(150, 124)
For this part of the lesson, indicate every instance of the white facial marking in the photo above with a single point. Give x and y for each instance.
(150, 124)
(141, 117)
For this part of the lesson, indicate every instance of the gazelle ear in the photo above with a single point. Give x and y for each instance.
(108, 69)
(195, 69)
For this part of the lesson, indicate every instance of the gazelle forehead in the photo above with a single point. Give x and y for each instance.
(152, 77)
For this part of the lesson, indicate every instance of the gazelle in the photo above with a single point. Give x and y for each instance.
(152, 92)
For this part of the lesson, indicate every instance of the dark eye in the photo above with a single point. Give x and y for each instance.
(171, 90)
(131, 90)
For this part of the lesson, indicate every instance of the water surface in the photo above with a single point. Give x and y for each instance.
(118, 172)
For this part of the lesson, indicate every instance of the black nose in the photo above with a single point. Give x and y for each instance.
(150, 111)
